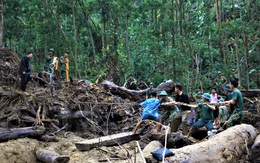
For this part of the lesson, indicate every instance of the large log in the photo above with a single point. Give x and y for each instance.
(135, 95)
(227, 146)
(50, 156)
(251, 92)
(15, 133)
(174, 140)
(255, 155)
(109, 140)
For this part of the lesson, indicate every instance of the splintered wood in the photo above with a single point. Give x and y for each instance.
(109, 140)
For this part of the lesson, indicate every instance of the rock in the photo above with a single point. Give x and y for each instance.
(152, 146)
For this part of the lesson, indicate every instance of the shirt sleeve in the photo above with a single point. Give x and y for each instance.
(234, 96)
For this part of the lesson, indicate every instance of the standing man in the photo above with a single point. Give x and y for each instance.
(182, 116)
(220, 82)
(234, 76)
(169, 111)
(64, 68)
(150, 90)
(131, 83)
(237, 102)
(48, 60)
(24, 71)
(142, 85)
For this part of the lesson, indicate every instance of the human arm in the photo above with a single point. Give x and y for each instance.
(23, 66)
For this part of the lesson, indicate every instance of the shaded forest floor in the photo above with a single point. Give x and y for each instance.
(71, 112)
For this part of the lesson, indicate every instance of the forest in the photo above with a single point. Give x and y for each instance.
(186, 41)
(92, 117)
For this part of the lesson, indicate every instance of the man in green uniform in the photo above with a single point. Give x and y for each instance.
(48, 61)
(142, 85)
(234, 76)
(225, 111)
(63, 65)
(198, 110)
(169, 111)
(131, 83)
(237, 102)
(220, 81)
(150, 90)
(207, 113)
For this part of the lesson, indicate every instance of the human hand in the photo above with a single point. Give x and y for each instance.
(24, 72)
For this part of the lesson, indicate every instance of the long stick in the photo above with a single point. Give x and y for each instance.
(166, 133)
(141, 152)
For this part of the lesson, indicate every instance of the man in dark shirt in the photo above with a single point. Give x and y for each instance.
(24, 71)
(182, 116)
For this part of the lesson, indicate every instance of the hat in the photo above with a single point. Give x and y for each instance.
(221, 100)
(163, 93)
(227, 87)
(206, 96)
(151, 83)
(219, 72)
(233, 70)
(51, 49)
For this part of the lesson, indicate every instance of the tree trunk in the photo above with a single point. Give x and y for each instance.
(247, 59)
(1, 23)
(75, 40)
(227, 146)
(237, 58)
(15, 133)
(50, 156)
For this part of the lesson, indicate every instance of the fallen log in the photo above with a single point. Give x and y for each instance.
(255, 149)
(50, 156)
(135, 95)
(16, 133)
(250, 92)
(227, 146)
(174, 140)
(109, 140)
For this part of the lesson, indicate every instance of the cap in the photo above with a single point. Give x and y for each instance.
(219, 72)
(227, 87)
(51, 49)
(206, 96)
(163, 93)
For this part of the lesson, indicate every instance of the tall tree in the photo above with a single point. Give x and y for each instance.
(1, 22)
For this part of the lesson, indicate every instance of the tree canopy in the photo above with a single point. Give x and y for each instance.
(186, 41)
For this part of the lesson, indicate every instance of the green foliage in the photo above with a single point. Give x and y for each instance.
(153, 40)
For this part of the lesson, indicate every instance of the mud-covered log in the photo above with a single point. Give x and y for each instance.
(251, 92)
(255, 149)
(123, 92)
(166, 86)
(227, 146)
(15, 133)
(50, 156)
(109, 140)
(135, 95)
(68, 114)
(174, 140)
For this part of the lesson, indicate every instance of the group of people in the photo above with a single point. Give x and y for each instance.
(51, 65)
(212, 111)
